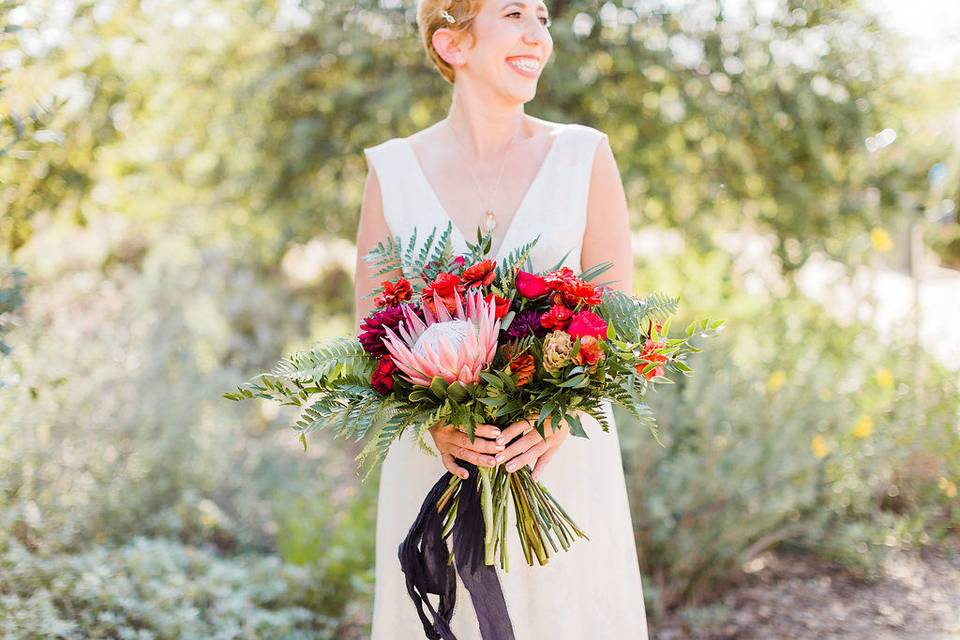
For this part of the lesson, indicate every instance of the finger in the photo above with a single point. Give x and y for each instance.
(516, 429)
(519, 446)
(481, 445)
(487, 430)
(542, 463)
(530, 455)
(453, 467)
(472, 456)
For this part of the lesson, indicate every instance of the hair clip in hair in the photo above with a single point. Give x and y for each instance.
(446, 16)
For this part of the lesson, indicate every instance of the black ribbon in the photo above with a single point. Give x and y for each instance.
(424, 560)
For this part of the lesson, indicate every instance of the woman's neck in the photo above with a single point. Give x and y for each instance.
(484, 128)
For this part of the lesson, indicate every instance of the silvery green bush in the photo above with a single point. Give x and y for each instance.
(153, 589)
(118, 454)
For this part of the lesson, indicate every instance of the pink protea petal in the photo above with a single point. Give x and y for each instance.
(466, 375)
(472, 304)
(442, 312)
(448, 356)
(429, 317)
(467, 352)
(414, 374)
(459, 308)
(419, 369)
(412, 327)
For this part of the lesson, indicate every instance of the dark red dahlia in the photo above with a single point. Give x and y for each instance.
(525, 323)
(372, 330)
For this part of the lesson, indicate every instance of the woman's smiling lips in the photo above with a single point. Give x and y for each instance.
(528, 66)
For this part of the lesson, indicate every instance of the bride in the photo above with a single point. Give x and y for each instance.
(489, 165)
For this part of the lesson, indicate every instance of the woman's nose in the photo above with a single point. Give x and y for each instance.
(534, 32)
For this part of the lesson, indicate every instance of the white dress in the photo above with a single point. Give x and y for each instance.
(594, 589)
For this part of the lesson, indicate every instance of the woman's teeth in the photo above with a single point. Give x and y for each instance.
(525, 64)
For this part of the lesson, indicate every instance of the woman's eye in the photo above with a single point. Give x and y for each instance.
(543, 20)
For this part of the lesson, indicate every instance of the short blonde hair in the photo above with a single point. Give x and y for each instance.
(430, 19)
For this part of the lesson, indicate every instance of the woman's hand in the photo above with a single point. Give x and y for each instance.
(530, 447)
(452, 442)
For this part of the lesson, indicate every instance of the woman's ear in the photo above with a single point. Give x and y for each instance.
(447, 45)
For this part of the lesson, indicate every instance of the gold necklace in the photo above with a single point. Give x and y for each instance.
(489, 221)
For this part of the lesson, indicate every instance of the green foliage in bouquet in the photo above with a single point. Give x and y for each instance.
(332, 379)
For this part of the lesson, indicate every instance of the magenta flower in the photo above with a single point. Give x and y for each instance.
(454, 347)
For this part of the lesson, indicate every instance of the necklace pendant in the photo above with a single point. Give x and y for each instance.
(489, 221)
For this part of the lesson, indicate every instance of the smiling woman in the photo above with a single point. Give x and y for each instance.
(459, 17)
(490, 165)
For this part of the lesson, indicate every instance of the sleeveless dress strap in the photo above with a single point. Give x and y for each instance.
(405, 205)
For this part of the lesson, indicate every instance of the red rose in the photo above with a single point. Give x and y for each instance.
(556, 318)
(587, 323)
(393, 294)
(530, 285)
(480, 274)
(502, 305)
(382, 378)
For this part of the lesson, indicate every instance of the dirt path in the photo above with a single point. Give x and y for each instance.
(803, 597)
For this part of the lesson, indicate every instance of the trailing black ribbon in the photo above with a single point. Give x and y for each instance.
(424, 560)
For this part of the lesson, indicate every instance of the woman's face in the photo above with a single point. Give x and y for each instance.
(513, 45)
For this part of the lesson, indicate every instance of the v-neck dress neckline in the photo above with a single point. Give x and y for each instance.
(521, 208)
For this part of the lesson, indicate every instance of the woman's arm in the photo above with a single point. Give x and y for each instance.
(607, 235)
(371, 229)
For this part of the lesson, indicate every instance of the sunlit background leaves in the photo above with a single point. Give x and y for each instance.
(179, 191)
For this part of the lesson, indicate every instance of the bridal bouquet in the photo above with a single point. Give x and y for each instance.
(466, 341)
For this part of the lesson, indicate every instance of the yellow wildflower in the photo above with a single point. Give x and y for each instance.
(776, 380)
(880, 240)
(884, 378)
(864, 426)
(819, 446)
(949, 488)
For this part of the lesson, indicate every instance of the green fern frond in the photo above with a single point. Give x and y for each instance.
(623, 312)
(506, 271)
(386, 258)
(658, 306)
(326, 361)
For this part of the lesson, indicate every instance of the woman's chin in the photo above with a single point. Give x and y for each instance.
(521, 92)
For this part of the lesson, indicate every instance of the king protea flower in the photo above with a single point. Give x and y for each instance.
(454, 347)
